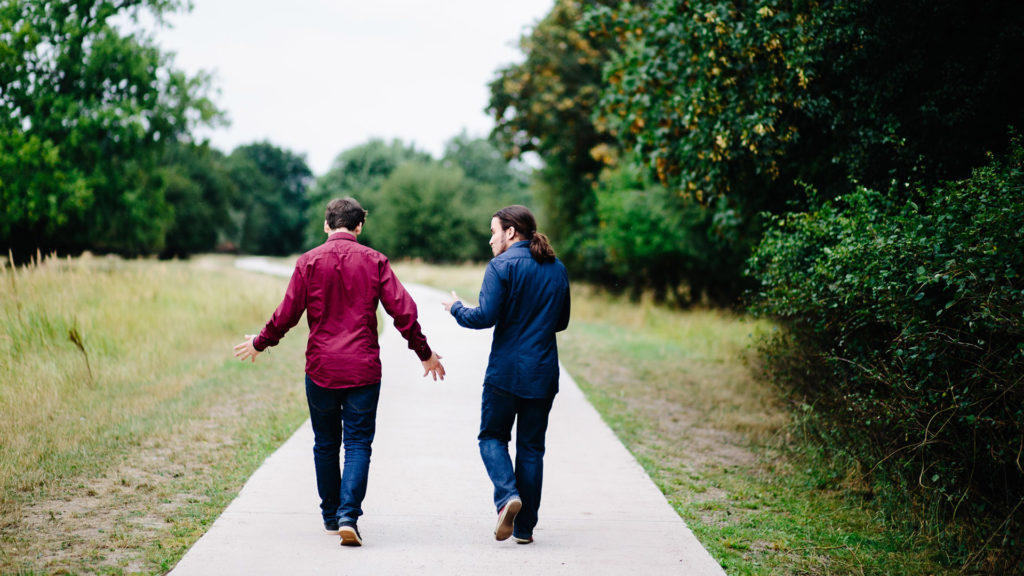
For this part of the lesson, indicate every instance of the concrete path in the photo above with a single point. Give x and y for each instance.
(428, 509)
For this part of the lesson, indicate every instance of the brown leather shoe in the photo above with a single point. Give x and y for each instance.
(506, 516)
(350, 535)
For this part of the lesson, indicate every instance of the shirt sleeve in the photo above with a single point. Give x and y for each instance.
(287, 314)
(563, 320)
(402, 308)
(493, 292)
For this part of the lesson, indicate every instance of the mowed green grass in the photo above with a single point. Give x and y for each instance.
(118, 452)
(681, 389)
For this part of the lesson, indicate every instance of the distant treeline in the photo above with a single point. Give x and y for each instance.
(97, 153)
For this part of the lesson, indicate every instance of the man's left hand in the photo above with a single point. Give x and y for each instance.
(244, 350)
(449, 303)
(433, 367)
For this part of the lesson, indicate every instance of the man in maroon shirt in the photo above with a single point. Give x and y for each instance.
(338, 284)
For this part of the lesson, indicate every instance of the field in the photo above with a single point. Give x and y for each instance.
(127, 424)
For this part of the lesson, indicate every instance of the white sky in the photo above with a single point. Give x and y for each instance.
(320, 76)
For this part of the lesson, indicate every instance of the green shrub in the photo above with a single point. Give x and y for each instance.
(432, 212)
(650, 238)
(357, 172)
(904, 342)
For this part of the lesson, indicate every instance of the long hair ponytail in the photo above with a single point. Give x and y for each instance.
(541, 248)
(520, 218)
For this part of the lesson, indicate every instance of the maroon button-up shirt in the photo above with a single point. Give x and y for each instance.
(338, 284)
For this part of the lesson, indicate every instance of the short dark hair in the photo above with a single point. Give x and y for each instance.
(344, 213)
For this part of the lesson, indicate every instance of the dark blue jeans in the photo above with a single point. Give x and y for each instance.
(499, 410)
(336, 414)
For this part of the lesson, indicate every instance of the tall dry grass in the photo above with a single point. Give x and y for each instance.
(94, 351)
(647, 357)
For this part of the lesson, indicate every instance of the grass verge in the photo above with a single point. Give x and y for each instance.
(128, 425)
(682, 392)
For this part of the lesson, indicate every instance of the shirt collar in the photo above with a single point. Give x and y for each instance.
(342, 236)
(522, 244)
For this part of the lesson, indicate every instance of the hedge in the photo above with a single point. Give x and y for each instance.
(903, 341)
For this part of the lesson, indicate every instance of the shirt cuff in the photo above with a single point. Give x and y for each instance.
(457, 305)
(424, 353)
(256, 344)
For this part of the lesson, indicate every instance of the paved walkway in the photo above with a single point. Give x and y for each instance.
(428, 508)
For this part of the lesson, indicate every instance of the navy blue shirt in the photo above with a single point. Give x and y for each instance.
(527, 303)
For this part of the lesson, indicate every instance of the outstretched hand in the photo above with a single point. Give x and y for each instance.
(244, 350)
(449, 303)
(433, 366)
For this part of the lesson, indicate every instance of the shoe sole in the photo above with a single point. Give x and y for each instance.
(506, 519)
(349, 537)
(523, 540)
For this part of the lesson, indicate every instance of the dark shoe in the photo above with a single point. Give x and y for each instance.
(520, 540)
(331, 526)
(350, 534)
(506, 517)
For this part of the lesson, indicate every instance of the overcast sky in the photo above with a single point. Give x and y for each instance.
(320, 76)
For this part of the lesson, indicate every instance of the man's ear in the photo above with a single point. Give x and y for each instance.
(510, 232)
(327, 229)
(359, 229)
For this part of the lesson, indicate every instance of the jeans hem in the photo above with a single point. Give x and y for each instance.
(509, 499)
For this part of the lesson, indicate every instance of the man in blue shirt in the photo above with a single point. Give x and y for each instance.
(525, 297)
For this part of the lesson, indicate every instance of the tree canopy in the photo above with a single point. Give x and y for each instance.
(436, 210)
(357, 172)
(85, 110)
(748, 98)
(273, 201)
(202, 195)
(544, 105)
(745, 106)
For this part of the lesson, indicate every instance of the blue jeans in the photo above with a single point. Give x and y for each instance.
(349, 413)
(499, 410)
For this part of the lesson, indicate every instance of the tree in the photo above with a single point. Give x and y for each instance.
(272, 184)
(746, 99)
(85, 111)
(544, 105)
(497, 181)
(745, 105)
(420, 207)
(655, 240)
(200, 191)
(357, 172)
(430, 211)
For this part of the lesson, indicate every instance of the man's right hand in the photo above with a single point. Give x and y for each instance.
(433, 366)
(247, 349)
